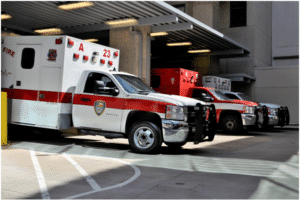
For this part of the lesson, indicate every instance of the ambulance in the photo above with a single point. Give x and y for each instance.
(233, 116)
(60, 82)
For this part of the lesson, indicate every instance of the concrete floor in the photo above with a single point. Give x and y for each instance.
(256, 165)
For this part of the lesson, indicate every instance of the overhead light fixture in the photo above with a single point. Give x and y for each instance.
(179, 44)
(73, 6)
(91, 40)
(49, 31)
(5, 16)
(199, 51)
(158, 34)
(130, 21)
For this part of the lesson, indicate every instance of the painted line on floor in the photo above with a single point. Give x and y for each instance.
(87, 177)
(137, 173)
(40, 177)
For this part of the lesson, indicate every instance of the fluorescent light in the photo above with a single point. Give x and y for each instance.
(5, 16)
(122, 22)
(72, 6)
(51, 31)
(199, 51)
(179, 44)
(91, 40)
(158, 34)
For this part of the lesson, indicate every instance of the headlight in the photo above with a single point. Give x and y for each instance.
(272, 111)
(250, 109)
(175, 112)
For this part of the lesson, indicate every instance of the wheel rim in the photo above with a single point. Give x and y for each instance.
(231, 124)
(143, 137)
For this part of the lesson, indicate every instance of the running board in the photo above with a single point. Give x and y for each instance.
(108, 135)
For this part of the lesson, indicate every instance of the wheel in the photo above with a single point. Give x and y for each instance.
(145, 137)
(231, 124)
(175, 145)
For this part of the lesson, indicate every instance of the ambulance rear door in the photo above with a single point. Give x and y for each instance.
(26, 84)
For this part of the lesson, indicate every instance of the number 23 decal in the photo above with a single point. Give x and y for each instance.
(106, 53)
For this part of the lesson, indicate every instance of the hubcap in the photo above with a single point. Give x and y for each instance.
(143, 137)
(230, 124)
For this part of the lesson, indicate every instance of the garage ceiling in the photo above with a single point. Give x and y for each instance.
(28, 16)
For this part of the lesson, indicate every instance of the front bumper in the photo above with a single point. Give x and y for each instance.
(174, 131)
(248, 119)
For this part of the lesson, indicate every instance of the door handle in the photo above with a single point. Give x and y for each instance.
(85, 99)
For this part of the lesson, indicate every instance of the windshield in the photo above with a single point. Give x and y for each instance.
(245, 97)
(132, 84)
(219, 94)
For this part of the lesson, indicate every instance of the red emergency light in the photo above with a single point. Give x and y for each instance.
(70, 42)
(58, 41)
(110, 62)
(86, 58)
(76, 55)
(102, 61)
(116, 54)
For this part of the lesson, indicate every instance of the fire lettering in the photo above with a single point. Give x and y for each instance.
(81, 47)
(8, 51)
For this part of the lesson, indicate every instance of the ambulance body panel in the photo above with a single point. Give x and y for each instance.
(59, 82)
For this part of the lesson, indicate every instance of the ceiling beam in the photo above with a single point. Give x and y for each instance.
(140, 22)
(172, 27)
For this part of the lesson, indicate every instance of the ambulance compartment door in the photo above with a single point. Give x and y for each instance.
(26, 84)
(95, 108)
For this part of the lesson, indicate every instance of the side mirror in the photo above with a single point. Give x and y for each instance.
(115, 92)
(208, 99)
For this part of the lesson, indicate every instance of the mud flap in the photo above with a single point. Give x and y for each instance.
(199, 123)
(212, 122)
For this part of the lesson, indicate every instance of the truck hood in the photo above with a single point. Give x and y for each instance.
(248, 103)
(270, 105)
(175, 99)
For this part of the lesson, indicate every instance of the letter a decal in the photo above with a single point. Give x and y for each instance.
(81, 47)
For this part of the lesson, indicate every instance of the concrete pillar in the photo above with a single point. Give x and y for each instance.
(134, 45)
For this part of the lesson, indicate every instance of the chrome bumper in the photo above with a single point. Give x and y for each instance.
(273, 120)
(174, 131)
(248, 119)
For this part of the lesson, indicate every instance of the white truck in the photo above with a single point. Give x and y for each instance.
(59, 82)
(277, 114)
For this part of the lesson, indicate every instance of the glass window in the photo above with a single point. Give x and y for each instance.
(91, 87)
(238, 14)
(27, 60)
(132, 84)
(200, 94)
(231, 96)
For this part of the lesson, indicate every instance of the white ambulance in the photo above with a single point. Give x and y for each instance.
(59, 82)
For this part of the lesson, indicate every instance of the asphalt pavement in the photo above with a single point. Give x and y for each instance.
(253, 165)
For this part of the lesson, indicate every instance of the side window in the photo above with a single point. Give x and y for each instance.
(200, 94)
(231, 96)
(27, 60)
(90, 86)
(155, 81)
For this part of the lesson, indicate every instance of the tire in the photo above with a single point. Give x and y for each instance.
(175, 145)
(145, 137)
(231, 124)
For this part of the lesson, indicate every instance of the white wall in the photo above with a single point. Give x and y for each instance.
(279, 85)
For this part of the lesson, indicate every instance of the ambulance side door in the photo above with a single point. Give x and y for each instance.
(97, 109)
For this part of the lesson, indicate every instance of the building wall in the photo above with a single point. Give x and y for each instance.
(280, 83)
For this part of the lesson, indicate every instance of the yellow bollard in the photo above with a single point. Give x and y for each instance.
(3, 118)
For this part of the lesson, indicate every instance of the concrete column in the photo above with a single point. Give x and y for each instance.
(134, 45)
